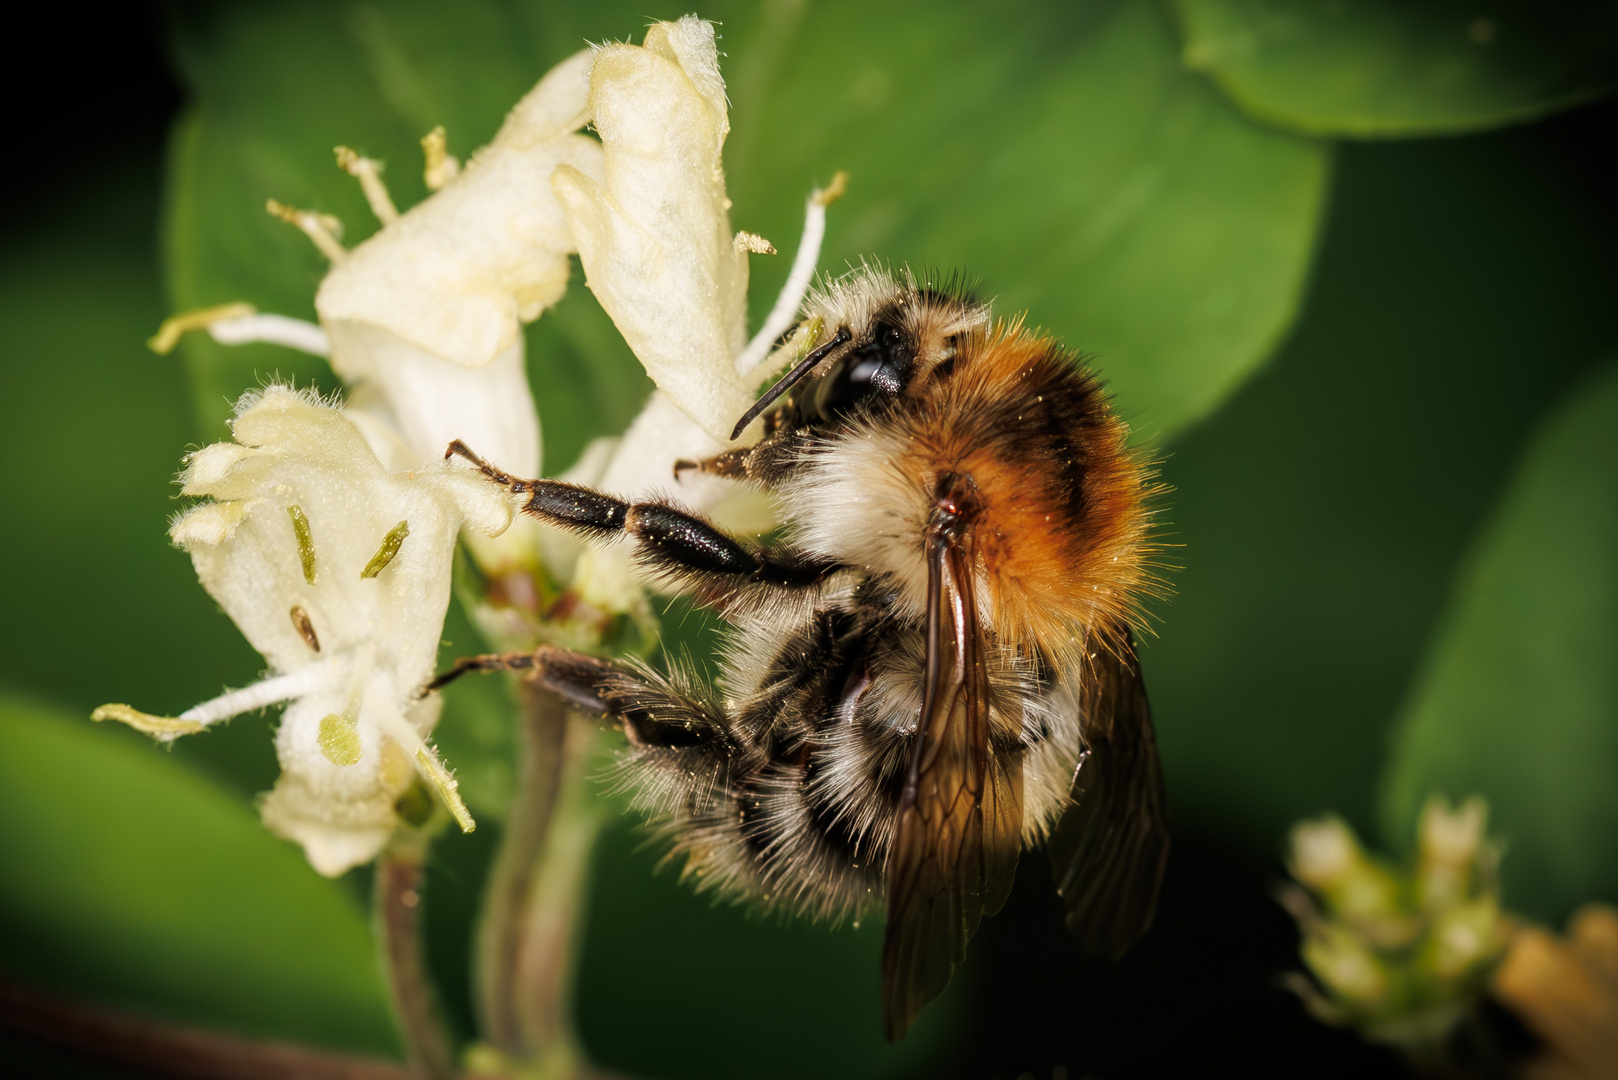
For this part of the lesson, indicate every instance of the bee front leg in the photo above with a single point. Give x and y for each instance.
(684, 547)
(767, 462)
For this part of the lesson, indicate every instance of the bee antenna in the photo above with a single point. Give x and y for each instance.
(786, 382)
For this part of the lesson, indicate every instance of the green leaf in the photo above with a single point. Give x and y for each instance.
(1319, 517)
(1518, 699)
(128, 876)
(101, 606)
(1061, 156)
(718, 991)
(477, 732)
(1394, 69)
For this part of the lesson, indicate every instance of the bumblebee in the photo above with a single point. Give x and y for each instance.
(934, 668)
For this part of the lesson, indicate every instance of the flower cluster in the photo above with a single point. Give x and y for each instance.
(331, 529)
(1399, 954)
(339, 574)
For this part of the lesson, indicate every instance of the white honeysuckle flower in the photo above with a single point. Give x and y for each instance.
(338, 573)
(657, 248)
(424, 319)
(431, 308)
(654, 234)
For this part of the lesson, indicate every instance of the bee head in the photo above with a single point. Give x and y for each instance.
(878, 337)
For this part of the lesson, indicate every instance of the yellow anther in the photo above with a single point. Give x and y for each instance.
(441, 164)
(175, 326)
(323, 229)
(443, 783)
(369, 173)
(833, 191)
(391, 544)
(305, 627)
(753, 242)
(158, 727)
(306, 542)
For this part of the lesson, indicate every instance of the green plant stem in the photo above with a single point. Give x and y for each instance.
(552, 916)
(542, 730)
(398, 920)
(153, 1047)
(531, 915)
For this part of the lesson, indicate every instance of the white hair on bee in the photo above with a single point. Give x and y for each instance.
(851, 299)
(856, 298)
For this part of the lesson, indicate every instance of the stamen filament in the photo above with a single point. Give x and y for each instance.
(274, 329)
(802, 273)
(261, 694)
(320, 228)
(231, 703)
(176, 326)
(369, 173)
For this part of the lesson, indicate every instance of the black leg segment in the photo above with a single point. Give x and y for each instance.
(681, 545)
(652, 712)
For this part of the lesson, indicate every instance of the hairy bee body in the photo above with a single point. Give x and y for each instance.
(934, 667)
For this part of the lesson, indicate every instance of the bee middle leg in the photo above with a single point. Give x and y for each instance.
(684, 546)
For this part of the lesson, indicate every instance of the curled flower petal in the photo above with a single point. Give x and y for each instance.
(654, 233)
(425, 317)
(456, 276)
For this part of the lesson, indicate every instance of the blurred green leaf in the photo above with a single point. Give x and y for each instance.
(477, 733)
(128, 876)
(676, 986)
(1460, 292)
(1060, 154)
(1518, 698)
(1392, 69)
(100, 606)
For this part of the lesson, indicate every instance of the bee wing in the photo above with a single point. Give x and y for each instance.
(959, 825)
(1109, 849)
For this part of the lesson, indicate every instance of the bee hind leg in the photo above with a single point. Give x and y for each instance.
(651, 711)
(517, 661)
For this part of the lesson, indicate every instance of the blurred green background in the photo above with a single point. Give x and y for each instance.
(1351, 271)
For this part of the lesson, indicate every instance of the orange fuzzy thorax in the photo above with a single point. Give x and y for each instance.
(1060, 526)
